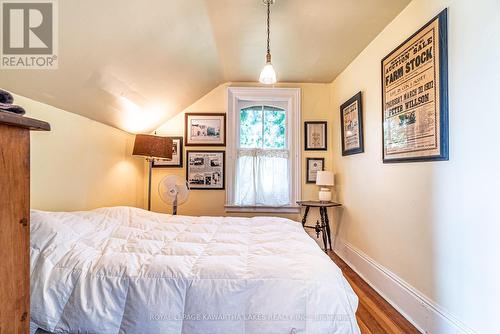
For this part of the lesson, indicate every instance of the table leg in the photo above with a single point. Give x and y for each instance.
(325, 243)
(327, 221)
(322, 215)
(305, 216)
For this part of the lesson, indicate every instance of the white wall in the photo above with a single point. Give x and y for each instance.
(434, 224)
(81, 164)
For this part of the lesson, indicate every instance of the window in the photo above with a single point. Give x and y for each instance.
(262, 158)
(263, 149)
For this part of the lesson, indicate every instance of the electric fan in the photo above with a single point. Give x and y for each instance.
(173, 190)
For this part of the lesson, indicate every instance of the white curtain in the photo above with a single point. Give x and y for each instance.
(262, 178)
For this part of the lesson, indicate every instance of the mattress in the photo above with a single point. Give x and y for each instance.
(127, 270)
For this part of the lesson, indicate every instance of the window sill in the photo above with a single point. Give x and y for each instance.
(262, 209)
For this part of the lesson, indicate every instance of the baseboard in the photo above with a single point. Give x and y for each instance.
(423, 313)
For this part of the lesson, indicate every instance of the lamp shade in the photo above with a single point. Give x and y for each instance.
(324, 178)
(153, 146)
(268, 75)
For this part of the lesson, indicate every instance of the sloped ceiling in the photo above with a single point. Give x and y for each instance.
(133, 64)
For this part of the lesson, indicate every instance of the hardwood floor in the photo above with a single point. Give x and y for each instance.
(375, 315)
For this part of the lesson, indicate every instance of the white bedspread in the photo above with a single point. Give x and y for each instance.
(127, 270)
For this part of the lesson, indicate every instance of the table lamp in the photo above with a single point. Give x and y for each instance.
(324, 179)
(152, 147)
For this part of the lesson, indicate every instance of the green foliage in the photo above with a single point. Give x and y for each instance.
(263, 127)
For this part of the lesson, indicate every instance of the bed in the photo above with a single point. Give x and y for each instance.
(127, 270)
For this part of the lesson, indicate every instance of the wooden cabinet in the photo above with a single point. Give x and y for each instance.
(15, 221)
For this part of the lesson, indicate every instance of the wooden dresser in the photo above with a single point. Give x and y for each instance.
(15, 220)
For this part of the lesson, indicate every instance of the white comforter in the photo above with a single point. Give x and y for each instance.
(126, 270)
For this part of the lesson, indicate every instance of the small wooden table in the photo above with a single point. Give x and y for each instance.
(325, 222)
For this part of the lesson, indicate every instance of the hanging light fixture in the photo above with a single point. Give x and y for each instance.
(268, 75)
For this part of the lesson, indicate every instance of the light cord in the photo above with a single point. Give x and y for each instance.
(268, 55)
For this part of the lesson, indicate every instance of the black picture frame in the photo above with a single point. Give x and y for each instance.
(187, 129)
(356, 98)
(167, 164)
(307, 168)
(442, 38)
(194, 186)
(307, 146)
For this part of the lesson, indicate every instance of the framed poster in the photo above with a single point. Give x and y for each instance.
(204, 129)
(315, 136)
(415, 96)
(177, 153)
(205, 169)
(351, 126)
(313, 166)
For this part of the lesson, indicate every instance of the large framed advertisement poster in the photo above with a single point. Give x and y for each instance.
(415, 96)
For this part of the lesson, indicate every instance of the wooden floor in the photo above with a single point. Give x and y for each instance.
(375, 315)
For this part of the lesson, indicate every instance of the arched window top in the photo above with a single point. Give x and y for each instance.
(263, 127)
(265, 107)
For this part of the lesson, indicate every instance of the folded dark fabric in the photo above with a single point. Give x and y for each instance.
(5, 97)
(12, 108)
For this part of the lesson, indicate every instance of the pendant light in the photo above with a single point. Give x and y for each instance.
(268, 75)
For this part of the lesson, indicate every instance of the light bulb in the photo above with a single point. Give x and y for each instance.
(268, 75)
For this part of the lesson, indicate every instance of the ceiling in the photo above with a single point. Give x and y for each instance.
(134, 64)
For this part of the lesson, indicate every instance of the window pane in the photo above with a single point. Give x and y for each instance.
(274, 128)
(251, 127)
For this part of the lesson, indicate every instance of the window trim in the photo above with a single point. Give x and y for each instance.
(290, 96)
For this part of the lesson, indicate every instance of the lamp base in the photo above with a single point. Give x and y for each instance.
(325, 195)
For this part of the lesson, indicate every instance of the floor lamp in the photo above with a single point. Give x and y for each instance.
(152, 147)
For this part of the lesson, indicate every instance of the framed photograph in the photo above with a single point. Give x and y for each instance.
(203, 129)
(415, 96)
(313, 166)
(315, 136)
(205, 169)
(351, 126)
(177, 153)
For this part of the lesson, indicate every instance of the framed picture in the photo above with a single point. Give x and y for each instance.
(313, 166)
(203, 129)
(351, 126)
(315, 136)
(177, 153)
(205, 169)
(415, 96)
